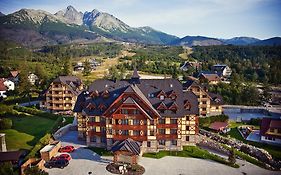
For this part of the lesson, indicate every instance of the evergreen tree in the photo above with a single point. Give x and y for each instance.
(87, 68)
(232, 156)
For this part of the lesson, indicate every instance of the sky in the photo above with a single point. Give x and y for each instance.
(212, 18)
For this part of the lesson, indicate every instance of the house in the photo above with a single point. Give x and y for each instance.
(209, 103)
(14, 76)
(222, 70)
(61, 95)
(154, 112)
(211, 78)
(32, 78)
(9, 84)
(190, 65)
(3, 89)
(270, 130)
(219, 127)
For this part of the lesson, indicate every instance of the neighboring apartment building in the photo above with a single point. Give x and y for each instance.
(155, 112)
(209, 103)
(62, 94)
(211, 78)
(222, 70)
(270, 130)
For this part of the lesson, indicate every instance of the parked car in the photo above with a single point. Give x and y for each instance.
(56, 163)
(62, 157)
(67, 149)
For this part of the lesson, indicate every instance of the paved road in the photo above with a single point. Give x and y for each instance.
(85, 161)
(32, 103)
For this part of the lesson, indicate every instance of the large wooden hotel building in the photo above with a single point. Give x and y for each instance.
(157, 113)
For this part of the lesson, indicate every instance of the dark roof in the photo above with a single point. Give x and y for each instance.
(266, 124)
(216, 99)
(10, 156)
(192, 99)
(72, 82)
(127, 145)
(135, 74)
(146, 89)
(14, 73)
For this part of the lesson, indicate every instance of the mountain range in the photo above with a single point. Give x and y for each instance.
(36, 28)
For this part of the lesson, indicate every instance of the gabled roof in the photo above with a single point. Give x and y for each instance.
(210, 77)
(127, 145)
(14, 73)
(146, 90)
(216, 99)
(72, 82)
(218, 125)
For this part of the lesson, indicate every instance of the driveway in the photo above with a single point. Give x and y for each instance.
(85, 161)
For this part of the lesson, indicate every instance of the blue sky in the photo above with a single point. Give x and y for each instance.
(213, 18)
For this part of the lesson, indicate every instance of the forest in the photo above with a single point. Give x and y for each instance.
(252, 63)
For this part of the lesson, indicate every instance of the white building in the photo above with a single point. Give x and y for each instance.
(222, 70)
(9, 84)
(32, 78)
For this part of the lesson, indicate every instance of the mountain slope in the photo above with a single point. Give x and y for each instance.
(112, 27)
(197, 41)
(37, 28)
(1, 14)
(276, 41)
(70, 15)
(241, 40)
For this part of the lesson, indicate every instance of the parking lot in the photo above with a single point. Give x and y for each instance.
(85, 161)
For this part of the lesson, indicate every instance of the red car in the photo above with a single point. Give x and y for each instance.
(67, 149)
(62, 157)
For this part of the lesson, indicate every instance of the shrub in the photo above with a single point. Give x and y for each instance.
(6, 123)
(34, 170)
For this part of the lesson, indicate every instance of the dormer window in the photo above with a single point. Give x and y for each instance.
(161, 95)
(105, 94)
(94, 94)
(91, 106)
(187, 105)
(173, 95)
(102, 107)
(162, 107)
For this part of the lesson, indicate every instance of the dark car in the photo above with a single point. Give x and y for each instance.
(67, 149)
(61, 163)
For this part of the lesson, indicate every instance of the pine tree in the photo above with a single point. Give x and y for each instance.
(87, 68)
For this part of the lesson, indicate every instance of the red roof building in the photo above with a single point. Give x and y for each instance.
(219, 126)
(270, 130)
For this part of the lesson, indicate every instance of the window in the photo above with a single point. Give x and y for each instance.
(125, 132)
(161, 142)
(187, 128)
(174, 142)
(162, 131)
(161, 121)
(136, 132)
(152, 133)
(204, 102)
(148, 144)
(103, 140)
(103, 129)
(217, 107)
(162, 97)
(174, 121)
(93, 139)
(136, 111)
(279, 131)
(124, 122)
(124, 111)
(187, 138)
(173, 131)
(203, 109)
(136, 122)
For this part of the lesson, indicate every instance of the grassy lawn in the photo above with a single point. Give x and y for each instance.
(26, 131)
(100, 151)
(190, 151)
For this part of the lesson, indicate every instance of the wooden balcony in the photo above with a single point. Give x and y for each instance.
(167, 125)
(129, 127)
(124, 137)
(166, 136)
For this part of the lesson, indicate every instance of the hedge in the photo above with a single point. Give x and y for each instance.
(37, 112)
(6, 123)
(208, 120)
